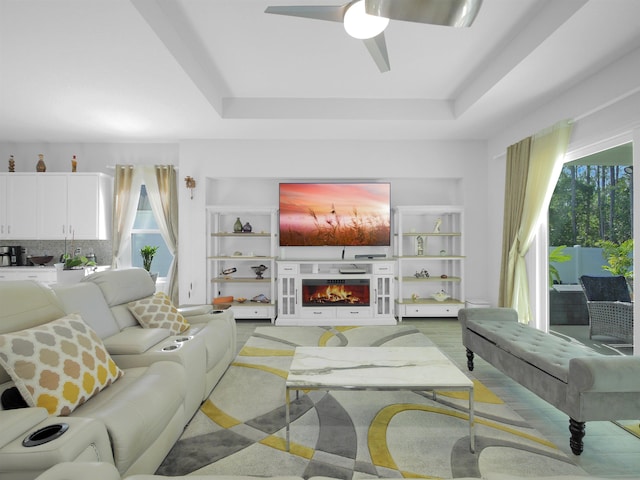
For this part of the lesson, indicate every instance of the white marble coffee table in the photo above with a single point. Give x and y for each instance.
(375, 368)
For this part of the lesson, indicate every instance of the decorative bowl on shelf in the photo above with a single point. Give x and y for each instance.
(241, 299)
(440, 296)
(42, 260)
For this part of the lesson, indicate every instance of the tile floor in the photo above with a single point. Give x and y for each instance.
(609, 451)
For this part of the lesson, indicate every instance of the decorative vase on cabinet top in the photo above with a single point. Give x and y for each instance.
(41, 166)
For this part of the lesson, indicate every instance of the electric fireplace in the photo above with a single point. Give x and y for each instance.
(336, 292)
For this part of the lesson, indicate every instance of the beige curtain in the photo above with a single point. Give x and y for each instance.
(545, 163)
(126, 193)
(515, 184)
(160, 181)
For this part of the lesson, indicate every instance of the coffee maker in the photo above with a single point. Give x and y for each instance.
(5, 257)
(11, 256)
(16, 254)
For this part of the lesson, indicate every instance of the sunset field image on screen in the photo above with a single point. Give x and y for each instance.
(336, 214)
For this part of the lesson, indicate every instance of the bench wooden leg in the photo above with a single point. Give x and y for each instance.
(469, 360)
(577, 430)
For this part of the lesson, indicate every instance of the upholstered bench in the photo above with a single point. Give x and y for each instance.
(573, 378)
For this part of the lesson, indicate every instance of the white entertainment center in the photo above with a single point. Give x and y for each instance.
(369, 289)
(335, 292)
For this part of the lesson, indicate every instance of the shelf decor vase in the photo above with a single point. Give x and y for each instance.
(41, 166)
(237, 227)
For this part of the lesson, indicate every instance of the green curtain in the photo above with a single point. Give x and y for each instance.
(544, 166)
(515, 185)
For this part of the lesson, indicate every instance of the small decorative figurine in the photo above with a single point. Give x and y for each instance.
(422, 273)
(41, 166)
(420, 245)
(12, 164)
(246, 228)
(436, 227)
(440, 296)
(414, 297)
(226, 273)
(74, 164)
(259, 270)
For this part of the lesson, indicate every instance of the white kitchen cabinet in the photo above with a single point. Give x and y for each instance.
(74, 205)
(18, 209)
(45, 275)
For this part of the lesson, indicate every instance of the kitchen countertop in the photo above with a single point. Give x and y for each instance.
(46, 268)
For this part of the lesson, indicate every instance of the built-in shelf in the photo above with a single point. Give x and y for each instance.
(429, 261)
(228, 249)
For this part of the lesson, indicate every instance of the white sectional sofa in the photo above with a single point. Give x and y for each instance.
(133, 422)
(209, 343)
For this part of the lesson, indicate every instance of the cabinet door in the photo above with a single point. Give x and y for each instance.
(21, 207)
(287, 300)
(83, 193)
(383, 295)
(52, 207)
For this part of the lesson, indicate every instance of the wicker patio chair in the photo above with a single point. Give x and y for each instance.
(610, 307)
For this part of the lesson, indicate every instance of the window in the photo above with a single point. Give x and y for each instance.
(591, 212)
(145, 231)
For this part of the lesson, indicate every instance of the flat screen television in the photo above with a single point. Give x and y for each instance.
(335, 214)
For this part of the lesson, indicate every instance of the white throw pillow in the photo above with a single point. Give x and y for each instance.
(158, 311)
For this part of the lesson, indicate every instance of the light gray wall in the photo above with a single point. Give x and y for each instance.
(252, 170)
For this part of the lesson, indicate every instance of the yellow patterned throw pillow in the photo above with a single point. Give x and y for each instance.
(58, 365)
(157, 311)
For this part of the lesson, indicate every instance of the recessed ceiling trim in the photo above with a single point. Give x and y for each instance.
(169, 23)
(525, 39)
(337, 109)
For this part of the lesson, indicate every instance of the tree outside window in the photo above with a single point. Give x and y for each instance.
(592, 209)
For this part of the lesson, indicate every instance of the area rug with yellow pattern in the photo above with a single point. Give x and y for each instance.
(240, 429)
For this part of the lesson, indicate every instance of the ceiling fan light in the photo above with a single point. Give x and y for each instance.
(359, 24)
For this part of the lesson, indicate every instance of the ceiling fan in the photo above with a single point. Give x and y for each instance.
(367, 19)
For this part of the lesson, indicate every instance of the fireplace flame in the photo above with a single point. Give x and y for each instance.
(334, 294)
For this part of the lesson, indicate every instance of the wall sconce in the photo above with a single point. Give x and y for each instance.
(190, 184)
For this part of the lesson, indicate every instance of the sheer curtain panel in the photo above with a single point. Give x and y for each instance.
(160, 181)
(546, 155)
(126, 193)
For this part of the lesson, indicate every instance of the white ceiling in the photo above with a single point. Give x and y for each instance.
(168, 70)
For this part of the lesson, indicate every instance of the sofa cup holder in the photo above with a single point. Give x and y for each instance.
(172, 347)
(45, 434)
(182, 339)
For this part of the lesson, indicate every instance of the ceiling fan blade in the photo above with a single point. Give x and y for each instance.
(333, 13)
(377, 47)
(450, 13)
